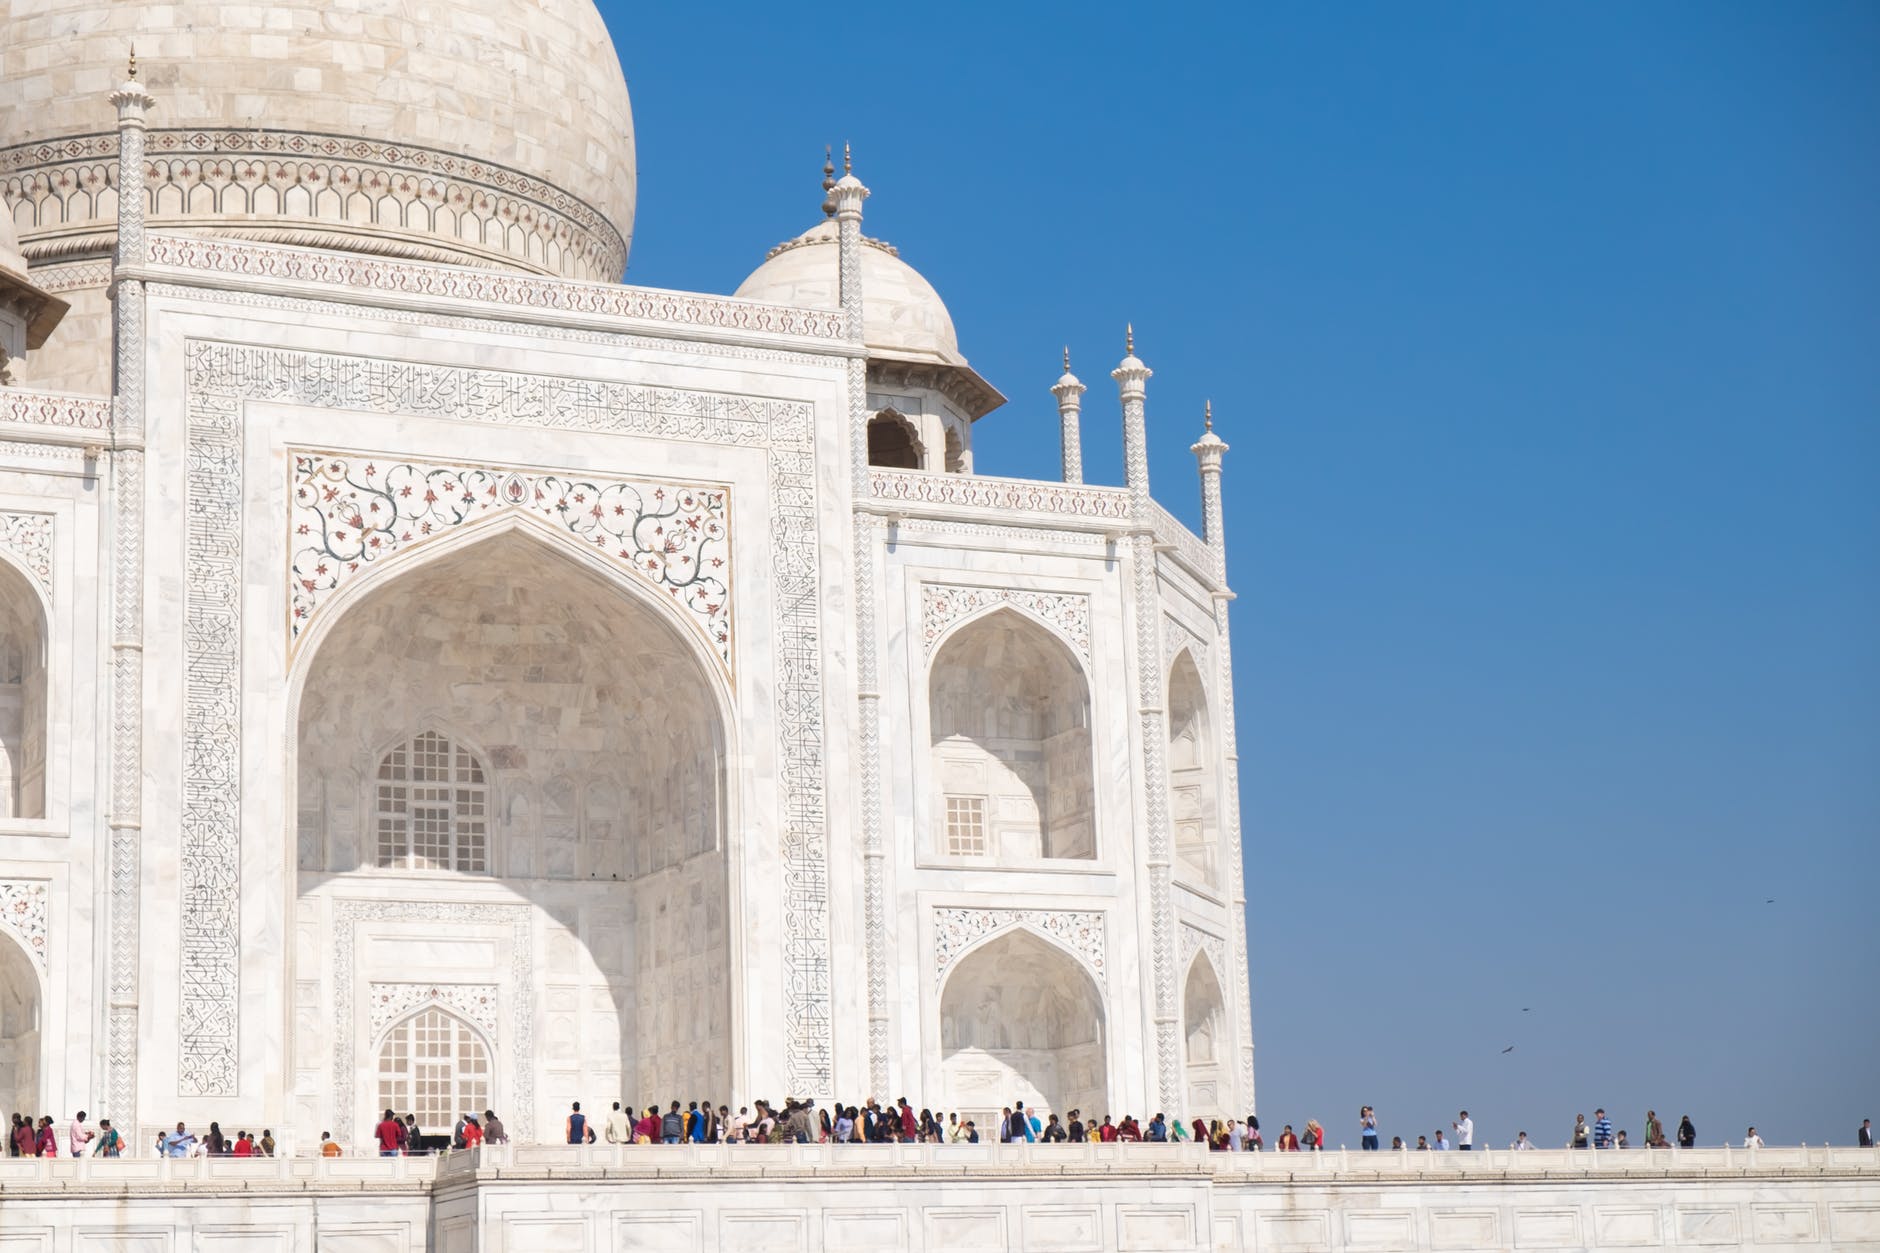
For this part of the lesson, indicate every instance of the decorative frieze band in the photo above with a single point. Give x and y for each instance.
(475, 1003)
(351, 512)
(957, 929)
(28, 536)
(491, 287)
(23, 912)
(943, 604)
(78, 413)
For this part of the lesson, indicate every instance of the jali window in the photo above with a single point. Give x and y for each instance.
(433, 1065)
(966, 826)
(433, 809)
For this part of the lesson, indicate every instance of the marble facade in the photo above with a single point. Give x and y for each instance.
(430, 673)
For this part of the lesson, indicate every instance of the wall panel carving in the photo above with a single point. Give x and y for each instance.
(475, 1003)
(222, 377)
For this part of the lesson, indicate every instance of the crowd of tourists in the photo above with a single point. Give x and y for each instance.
(804, 1122)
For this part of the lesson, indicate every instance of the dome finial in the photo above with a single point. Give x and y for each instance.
(1067, 358)
(829, 182)
(1207, 419)
(848, 162)
(1129, 338)
(133, 63)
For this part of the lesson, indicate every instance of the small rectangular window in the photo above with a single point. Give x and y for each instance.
(966, 826)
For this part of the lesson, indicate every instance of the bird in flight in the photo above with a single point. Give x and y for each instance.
(1770, 901)
(1509, 1049)
(1526, 1010)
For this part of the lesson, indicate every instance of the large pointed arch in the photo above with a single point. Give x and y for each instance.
(1009, 717)
(569, 679)
(22, 1042)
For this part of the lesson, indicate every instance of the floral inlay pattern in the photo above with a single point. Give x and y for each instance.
(23, 912)
(28, 536)
(956, 930)
(351, 511)
(475, 1003)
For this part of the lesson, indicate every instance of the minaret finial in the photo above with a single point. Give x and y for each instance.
(1129, 338)
(848, 160)
(1067, 358)
(1207, 420)
(133, 63)
(829, 182)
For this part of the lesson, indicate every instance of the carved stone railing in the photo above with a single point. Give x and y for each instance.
(1030, 499)
(1188, 548)
(326, 269)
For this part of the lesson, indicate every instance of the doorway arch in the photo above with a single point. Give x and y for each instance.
(21, 1008)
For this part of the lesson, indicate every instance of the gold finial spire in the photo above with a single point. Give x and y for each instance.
(848, 163)
(1207, 419)
(1129, 338)
(829, 182)
(133, 63)
(1067, 358)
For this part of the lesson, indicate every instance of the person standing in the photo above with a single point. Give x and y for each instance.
(1442, 1145)
(1367, 1128)
(76, 1136)
(178, 1143)
(619, 1126)
(1751, 1140)
(472, 1133)
(493, 1131)
(1687, 1133)
(1582, 1134)
(575, 1128)
(1653, 1131)
(328, 1146)
(1866, 1133)
(1464, 1127)
(672, 1126)
(1522, 1143)
(110, 1143)
(1602, 1130)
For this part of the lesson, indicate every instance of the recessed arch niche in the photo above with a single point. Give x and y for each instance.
(1009, 718)
(22, 696)
(1194, 804)
(1021, 1019)
(1204, 1023)
(584, 728)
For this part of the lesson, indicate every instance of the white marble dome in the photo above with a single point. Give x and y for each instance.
(902, 315)
(495, 133)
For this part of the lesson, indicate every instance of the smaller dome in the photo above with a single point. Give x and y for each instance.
(902, 315)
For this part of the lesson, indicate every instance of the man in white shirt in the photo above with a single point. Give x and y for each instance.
(1441, 1145)
(1464, 1127)
(78, 1136)
(739, 1124)
(619, 1126)
(1751, 1140)
(1521, 1142)
(1235, 1137)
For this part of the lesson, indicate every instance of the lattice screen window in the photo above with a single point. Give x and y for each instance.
(433, 808)
(966, 826)
(433, 1065)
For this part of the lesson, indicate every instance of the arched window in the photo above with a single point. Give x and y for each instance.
(433, 808)
(433, 1065)
(1192, 774)
(893, 443)
(22, 698)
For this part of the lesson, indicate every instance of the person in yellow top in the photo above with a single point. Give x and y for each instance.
(328, 1146)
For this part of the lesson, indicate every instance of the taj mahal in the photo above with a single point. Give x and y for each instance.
(436, 675)
(415, 642)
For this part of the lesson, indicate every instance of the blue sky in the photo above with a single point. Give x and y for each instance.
(1547, 339)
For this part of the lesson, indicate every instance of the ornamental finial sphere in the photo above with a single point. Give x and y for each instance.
(1129, 338)
(133, 69)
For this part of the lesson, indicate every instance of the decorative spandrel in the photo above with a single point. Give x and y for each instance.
(351, 512)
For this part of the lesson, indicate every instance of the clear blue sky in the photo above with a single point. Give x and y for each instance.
(1547, 339)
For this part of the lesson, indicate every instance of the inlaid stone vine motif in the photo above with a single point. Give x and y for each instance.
(941, 605)
(956, 930)
(28, 536)
(351, 511)
(473, 1002)
(23, 912)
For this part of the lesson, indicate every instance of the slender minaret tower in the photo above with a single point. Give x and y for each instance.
(126, 453)
(1207, 451)
(1130, 375)
(1069, 392)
